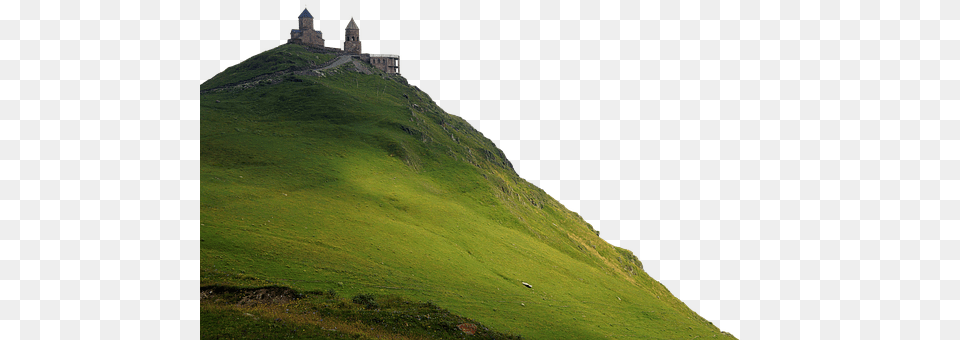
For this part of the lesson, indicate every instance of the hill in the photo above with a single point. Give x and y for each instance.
(323, 183)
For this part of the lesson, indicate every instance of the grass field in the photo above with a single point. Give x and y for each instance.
(356, 183)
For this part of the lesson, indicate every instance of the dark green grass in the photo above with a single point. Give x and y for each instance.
(229, 313)
(283, 58)
(360, 183)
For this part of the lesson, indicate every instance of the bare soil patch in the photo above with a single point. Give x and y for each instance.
(248, 296)
(468, 328)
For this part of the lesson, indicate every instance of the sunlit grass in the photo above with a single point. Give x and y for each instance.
(361, 184)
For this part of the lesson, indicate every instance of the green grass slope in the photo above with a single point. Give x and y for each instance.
(360, 184)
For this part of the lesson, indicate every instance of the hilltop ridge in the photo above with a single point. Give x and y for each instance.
(323, 173)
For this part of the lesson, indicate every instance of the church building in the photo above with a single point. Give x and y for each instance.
(306, 35)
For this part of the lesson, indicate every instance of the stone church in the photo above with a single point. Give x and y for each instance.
(308, 36)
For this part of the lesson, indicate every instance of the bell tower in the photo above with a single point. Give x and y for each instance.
(351, 41)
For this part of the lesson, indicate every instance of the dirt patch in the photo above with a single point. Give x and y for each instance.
(248, 296)
(468, 328)
(269, 295)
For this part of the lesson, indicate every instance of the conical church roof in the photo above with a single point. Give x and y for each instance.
(305, 14)
(352, 25)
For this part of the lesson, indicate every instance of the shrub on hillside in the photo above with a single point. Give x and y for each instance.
(366, 301)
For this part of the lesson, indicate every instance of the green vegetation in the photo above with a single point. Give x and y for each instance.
(283, 58)
(281, 312)
(361, 185)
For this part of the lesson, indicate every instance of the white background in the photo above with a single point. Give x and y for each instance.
(789, 170)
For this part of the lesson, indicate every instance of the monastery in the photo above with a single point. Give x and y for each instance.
(308, 36)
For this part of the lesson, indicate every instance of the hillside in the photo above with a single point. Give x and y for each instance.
(345, 182)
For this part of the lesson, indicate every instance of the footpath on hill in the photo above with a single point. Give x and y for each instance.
(335, 62)
(277, 77)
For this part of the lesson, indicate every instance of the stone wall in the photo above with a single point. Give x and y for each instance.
(306, 24)
(308, 37)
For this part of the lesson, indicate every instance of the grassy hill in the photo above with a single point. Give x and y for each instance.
(349, 182)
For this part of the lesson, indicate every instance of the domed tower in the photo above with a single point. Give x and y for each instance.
(351, 41)
(306, 20)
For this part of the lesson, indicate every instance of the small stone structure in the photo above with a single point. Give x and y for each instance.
(351, 41)
(307, 36)
(389, 63)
